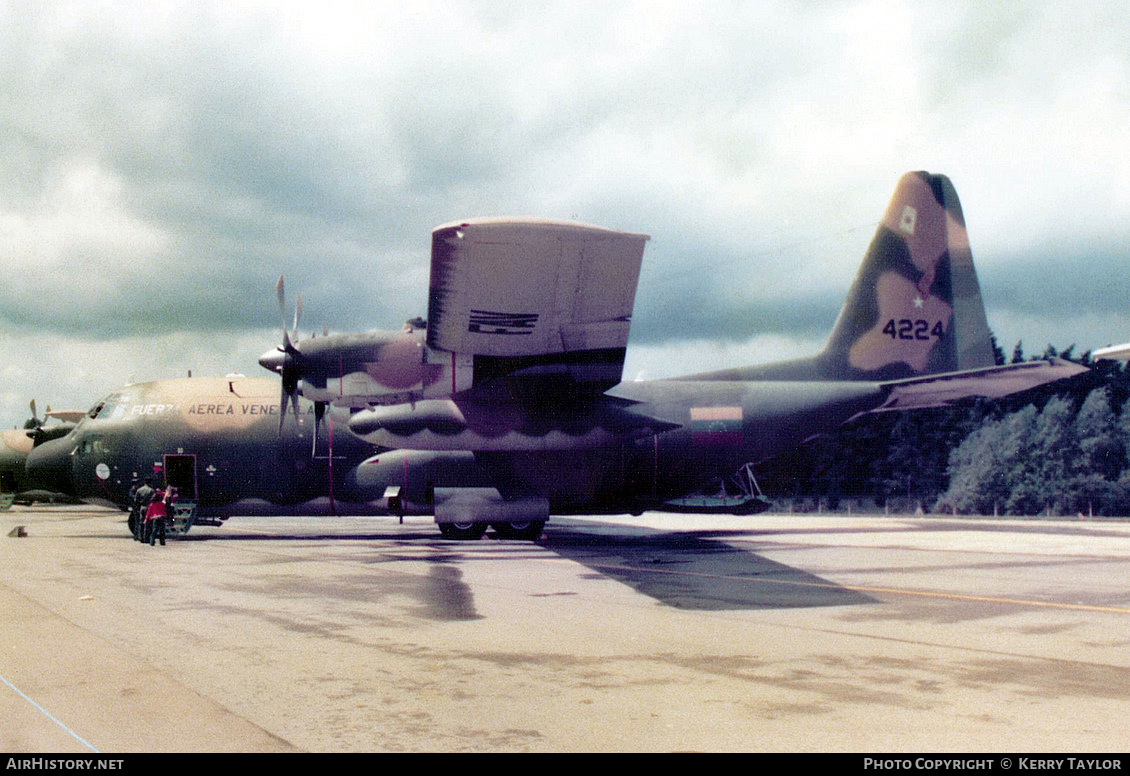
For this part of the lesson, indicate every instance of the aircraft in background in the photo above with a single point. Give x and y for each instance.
(16, 444)
(1113, 352)
(516, 374)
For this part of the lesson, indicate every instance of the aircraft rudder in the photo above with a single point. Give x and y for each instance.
(972, 338)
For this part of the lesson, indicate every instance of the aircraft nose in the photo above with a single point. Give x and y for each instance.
(48, 466)
(274, 360)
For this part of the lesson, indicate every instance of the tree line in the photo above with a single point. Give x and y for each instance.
(1061, 449)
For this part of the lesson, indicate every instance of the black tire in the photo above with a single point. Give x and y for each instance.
(468, 531)
(529, 530)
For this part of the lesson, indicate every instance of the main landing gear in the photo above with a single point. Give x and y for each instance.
(528, 530)
(462, 531)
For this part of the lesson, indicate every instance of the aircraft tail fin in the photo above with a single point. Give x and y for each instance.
(915, 307)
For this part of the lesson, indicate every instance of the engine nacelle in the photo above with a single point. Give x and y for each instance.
(405, 480)
(445, 424)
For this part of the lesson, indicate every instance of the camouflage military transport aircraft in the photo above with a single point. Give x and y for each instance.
(506, 405)
(516, 373)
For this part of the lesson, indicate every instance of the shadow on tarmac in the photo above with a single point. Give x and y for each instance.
(694, 570)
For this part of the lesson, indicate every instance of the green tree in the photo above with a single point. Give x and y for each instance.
(1040, 476)
(1101, 438)
(984, 468)
(1017, 354)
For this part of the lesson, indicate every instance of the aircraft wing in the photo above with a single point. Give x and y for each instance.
(534, 297)
(66, 416)
(990, 382)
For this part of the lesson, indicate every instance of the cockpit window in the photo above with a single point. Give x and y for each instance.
(106, 407)
(93, 444)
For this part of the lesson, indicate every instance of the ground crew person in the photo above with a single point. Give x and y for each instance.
(157, 514)
(139, 505)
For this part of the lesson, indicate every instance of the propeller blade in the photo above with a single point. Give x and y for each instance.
(282, 409)
(280, 292)
(319, 413)
(287, 360)
(294, 405)
(297, 315)
(34, 421)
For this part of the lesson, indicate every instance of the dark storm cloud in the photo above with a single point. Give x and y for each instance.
(703, 315)
(164, 163)
(1087, 275)
(214, 148)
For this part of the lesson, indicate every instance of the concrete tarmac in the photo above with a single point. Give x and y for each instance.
(658, 633)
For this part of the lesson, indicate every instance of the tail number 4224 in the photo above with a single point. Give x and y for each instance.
(908, 329)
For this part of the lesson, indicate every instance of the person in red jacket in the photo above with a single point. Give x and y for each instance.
(157, 514)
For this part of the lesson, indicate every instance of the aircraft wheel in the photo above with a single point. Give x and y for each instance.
(528, 530)
(462, 531)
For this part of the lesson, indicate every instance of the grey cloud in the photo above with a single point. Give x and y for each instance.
(1061, 280)
(164, 163)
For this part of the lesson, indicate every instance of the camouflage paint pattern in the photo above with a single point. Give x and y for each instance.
(356, 370)
(915, 305)
(921, 272)
(226, 429)
(512, 431)
(541, 419)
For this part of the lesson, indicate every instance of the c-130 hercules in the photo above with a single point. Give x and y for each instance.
(506, 406)
(516, 372)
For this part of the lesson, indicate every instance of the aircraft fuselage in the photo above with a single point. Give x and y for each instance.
(218, 440)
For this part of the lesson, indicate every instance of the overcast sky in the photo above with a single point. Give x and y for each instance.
(163, 163)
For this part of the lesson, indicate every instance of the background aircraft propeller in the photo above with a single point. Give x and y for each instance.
(33, 422)
(39, 432)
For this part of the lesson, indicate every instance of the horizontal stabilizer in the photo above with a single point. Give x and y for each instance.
(991, 382)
